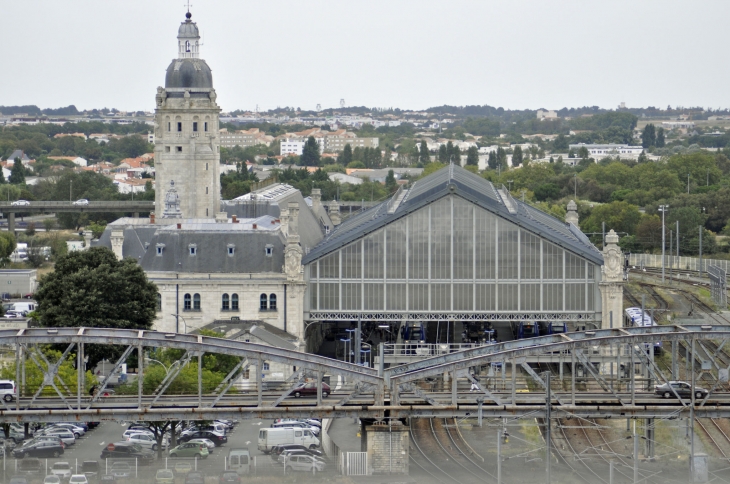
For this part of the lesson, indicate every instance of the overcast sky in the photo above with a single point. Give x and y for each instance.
(411, 54)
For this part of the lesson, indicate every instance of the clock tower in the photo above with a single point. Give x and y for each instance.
(187, 147)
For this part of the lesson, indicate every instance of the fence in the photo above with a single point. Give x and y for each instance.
(355, 463)
(677, 263)
(718, 285)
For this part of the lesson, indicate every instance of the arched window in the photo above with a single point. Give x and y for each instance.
(272, 301)
(196, 302)
(187, 304)
(234, 302)
(159, 301)
(226, 303)
(263, 302)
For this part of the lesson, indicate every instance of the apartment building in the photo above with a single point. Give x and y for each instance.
(244, 138)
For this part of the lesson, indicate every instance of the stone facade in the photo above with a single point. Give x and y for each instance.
(388, 447)
(612, 284)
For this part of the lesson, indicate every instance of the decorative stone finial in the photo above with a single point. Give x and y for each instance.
(335, 213)
(612, 259)
(572, 216)
(172, 203)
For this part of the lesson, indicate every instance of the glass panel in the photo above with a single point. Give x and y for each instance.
(463, 239)
(351, 261)
(485, 226)
(591, 288)
(552, 261)
(313, 295)
(374, 255)
(485, 297)
(552, 297)
(530, 256)
(396, 297)
(574, 267)
(418, 297)
(575, 297)
(234, 301)
(463, 297)
(441, 239)
(374, 296)
(441, 297)
(329, 266)
(418, 245)
(329, 296)
(396, 256)
(351, 296)
(530, 297)
(591, 267)
(507, 297)
(507, 251)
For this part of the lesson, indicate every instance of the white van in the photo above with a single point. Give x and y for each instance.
(8, 390)
(268, 438)
(239, 461)
(23, 307)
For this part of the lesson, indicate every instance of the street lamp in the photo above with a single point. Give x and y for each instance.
(347, 355)
(575, 186)
(147, 359)
(510, 185)
(663, 209)
(352, 345)
(178, 322)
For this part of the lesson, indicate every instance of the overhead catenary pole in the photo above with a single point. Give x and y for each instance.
(700, 227)
(548, 408)
(663, 210)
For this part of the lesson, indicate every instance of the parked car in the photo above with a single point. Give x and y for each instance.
(29, 467)
(90, 468)
(229, 477)
(121, 470)
(182, 467)
(682, 388)
(287, 455)
(41, 448)
(206, 442)
(62, 470)
(190, 450)
(51, 479)
(195, 478)
(19, 480)
(127, 450)
(108, 479)
(276, 451)
(78, 479)
(304, 463)
(81, 202)
(215, 437)
(146, 441)
(64, 434)
(294, 424)
(8, 391)
(78, 431)
(129, 432)
(20, 203)
(164, 476)
(309, 389)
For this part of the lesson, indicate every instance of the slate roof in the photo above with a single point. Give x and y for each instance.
(269, 334)
(454, 180)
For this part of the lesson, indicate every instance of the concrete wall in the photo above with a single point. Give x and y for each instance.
(388, 448)
(16, 281)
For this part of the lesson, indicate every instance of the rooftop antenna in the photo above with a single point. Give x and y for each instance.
(342, 103)
(319, 107)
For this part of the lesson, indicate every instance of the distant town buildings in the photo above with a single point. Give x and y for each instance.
(609, 149)
(292, 147)
(244, 138)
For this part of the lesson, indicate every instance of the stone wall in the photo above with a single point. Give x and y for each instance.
(388, 448)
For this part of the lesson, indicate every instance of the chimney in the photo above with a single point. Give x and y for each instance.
(234, 219)
(152, 218)
(117, 240)
(221, 217)
(179, 226)
(293, 228)
(254, 226)
(284, 220)
(316, 200)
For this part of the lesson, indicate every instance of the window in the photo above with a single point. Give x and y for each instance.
(167, 149)
(269, 250)
(226, 302)
(193, 250)
(159, 301)
(263, 302)
(272, 301)
(196, 302)
(234, 302)
(187, 302)
(206, 167)
(169, 126)
(178, 149)
(179, 127)
(205, 126)
(231, 250)
(195, 126)
(266, 366)
(206, 190)
(160, 248)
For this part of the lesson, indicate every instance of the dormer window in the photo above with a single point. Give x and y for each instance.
(269, 250)
(231, 250)
(192, 249)
(160, 249)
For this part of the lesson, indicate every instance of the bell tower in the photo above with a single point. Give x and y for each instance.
(187, 147)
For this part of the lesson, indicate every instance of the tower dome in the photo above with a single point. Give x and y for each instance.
(188, 71)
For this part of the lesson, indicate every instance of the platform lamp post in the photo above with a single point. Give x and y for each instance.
(350, 338)
(177, 321)
(663, 209)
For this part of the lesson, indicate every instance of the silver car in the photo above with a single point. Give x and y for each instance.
(304, 463)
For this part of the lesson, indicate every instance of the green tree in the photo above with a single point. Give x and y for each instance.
(17, 174)
(455, 157)
(492, 160)
(501, 157)
(92, 288)
(583, 153)
(472, 156)
(345, 157)
(660, 142)
(390, 182)
(517, 156)
(648, 136)
(619, 216)
(560, 144)
(425, 156)
(310, 153)
(7, 246)
(443, 154)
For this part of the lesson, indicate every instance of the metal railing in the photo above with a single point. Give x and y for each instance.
(427, 349)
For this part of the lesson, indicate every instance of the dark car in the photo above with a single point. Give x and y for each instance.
(90, 468)
(108, 479)
(127, 450)
(683, 389)
(215, 437)
(229, 477)
(41, 448)
(121, 470)
(20, 480)
(310, 388)
(278, 449)
(195, 478)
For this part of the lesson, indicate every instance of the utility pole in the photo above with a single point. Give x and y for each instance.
(499, 457)
(548, 411)
(700, 227)
(663, 209)
(687, 183)
(677, 243)
(575, 186)
(671, 244)
(603, 233)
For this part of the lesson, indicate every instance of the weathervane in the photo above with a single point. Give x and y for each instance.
(188, 6)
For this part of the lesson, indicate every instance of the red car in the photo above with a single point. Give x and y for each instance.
(310, 388)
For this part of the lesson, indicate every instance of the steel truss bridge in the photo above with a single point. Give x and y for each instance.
(592, 381)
